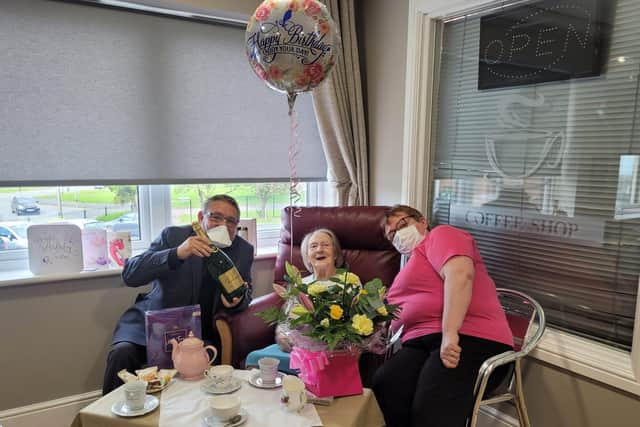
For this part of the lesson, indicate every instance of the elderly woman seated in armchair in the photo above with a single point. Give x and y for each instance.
(322, 255)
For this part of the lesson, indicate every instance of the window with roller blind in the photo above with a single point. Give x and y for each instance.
(545, 177)
(127, 117)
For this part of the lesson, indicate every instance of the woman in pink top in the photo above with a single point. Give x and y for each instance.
(452, 321)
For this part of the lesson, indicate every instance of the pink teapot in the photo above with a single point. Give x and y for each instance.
(190, 357)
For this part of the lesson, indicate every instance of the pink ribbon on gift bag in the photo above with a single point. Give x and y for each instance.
(309, 363)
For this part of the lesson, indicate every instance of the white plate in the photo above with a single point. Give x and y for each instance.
(209, 387)
(212, 421)
(256, 381)
(150, 403)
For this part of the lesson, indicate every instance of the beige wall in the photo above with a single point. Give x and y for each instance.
(556, 398)
(384, 39)
(55, 336)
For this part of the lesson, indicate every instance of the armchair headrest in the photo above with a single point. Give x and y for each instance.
(359, 229)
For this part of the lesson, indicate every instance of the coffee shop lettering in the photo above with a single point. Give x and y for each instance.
(519, 221)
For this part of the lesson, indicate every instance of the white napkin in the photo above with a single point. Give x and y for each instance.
(183, 404)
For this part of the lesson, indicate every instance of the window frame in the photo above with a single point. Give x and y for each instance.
(614, 367)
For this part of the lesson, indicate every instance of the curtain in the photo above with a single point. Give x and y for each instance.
(339, 110)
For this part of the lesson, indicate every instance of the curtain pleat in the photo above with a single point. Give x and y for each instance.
(339, 107)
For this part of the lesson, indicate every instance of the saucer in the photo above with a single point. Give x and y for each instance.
(209, 387)
(256, 381)
(212, 421)
(150, 403)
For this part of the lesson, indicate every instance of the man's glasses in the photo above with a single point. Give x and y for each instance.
(218, 217)
(402, 223)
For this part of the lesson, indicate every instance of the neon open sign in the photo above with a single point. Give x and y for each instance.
(543, 41)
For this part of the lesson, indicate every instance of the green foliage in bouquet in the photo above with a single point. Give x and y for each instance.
(339, 312)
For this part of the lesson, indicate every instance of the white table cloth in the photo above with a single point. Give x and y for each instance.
(185, 404)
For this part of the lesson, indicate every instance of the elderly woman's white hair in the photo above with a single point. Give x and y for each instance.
(304, 248)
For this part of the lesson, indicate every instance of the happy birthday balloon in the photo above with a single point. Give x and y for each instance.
(292, 45)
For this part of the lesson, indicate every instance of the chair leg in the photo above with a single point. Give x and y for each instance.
(226, 342)
(519, 400)
(474, 419)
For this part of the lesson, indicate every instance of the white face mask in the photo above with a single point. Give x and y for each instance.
(407, 239)
(219, 236)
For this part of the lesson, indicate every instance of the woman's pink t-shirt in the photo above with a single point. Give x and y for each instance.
(419, 290)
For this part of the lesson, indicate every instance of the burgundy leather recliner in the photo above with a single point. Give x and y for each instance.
(367, 253)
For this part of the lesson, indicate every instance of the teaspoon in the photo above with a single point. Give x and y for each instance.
(231, 421)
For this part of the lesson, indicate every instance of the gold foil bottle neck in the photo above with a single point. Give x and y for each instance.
(198, 229)
(200, 233)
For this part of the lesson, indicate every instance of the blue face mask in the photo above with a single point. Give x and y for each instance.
(407, 239)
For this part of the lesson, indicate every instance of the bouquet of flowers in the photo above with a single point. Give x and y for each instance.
(336, 314)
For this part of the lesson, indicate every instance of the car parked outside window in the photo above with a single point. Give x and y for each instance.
(13, 236)
(21, 205)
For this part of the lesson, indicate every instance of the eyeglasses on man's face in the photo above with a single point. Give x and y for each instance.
(217, 217)
(402, 223)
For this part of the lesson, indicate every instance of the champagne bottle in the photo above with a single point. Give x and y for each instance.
(222, 268)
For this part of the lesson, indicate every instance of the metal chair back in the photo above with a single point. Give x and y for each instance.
(527, 322)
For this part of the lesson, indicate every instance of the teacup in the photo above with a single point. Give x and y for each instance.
(135, 393)
(220, 375)
(294, 395)
(268, 369)
(225, 407)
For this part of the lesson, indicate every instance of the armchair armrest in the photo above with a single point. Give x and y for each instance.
(243, 332)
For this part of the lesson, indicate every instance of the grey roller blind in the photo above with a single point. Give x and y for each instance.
(536, 174)
(91, 94)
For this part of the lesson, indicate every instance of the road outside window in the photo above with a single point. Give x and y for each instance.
(103, 207)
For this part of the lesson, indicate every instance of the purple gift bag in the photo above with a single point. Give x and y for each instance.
(164, 325)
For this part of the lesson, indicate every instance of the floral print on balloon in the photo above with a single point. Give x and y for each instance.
(292, 45)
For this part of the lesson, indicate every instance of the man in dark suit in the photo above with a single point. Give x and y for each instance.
(174, 264)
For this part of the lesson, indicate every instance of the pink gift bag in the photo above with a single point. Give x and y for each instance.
(328, 373)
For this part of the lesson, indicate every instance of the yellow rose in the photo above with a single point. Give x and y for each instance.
(336, 311)
(299, 310)
(324, 322)
(363, 291)
(352, 279)
(362, 324)
(316, 289)
(382, 310)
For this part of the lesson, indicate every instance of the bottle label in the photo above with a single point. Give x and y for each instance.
(231, 280)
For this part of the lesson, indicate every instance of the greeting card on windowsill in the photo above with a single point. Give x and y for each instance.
(94, 249)
(249, 231)
(54, 248)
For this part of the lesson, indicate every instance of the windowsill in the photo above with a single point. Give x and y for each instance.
(588, 358)
(25, 277)
(267, 253)
(18, 277)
